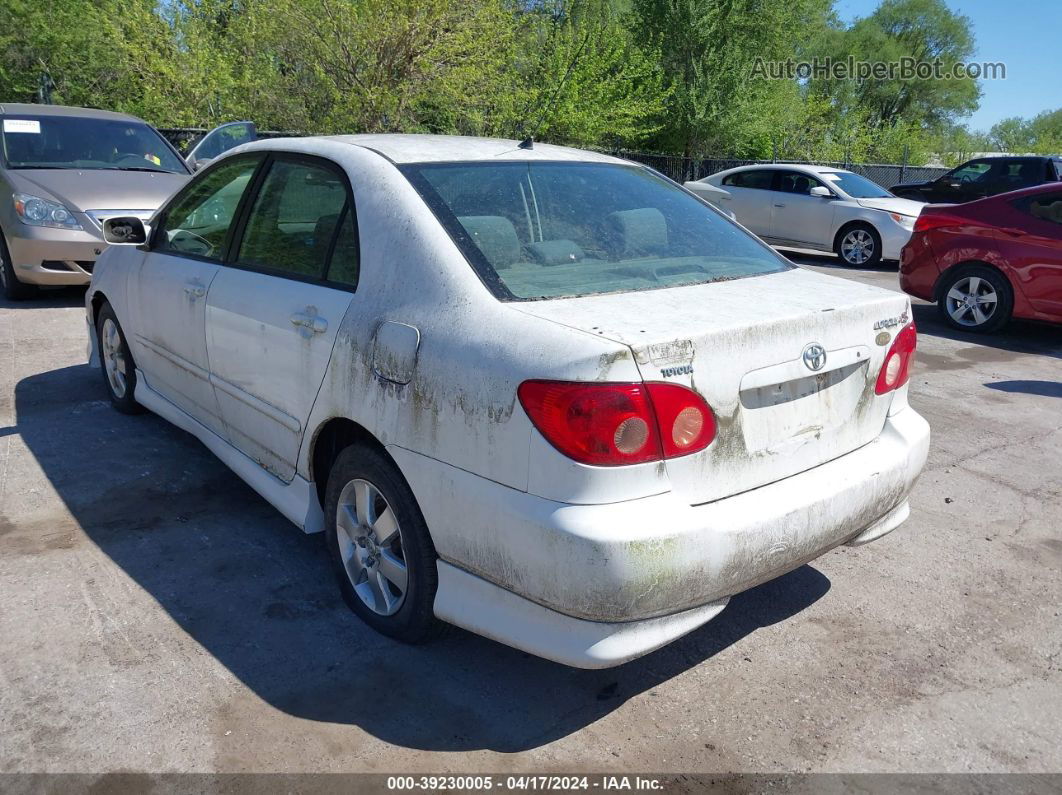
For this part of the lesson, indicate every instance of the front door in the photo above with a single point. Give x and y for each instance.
(798, 216)
(171, 286)
(273, 313)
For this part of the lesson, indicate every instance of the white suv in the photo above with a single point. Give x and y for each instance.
(540, 393)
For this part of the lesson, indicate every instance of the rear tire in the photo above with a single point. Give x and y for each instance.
(975, 298)
(381, 551)
(858, 246)
(116, 362)
(14, 290)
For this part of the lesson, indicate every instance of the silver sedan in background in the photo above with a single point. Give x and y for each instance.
(814, 207)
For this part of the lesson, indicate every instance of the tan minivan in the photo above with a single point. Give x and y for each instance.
(63, 171)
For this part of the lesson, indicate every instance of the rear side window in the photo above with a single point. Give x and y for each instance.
(344, 265)
(760, 178)
(537, 230)
(1045, 207)
(198, 221)
(294, 219)
(1019, 174)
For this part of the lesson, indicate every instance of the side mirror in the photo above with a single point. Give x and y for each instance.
(197, 163)
(822, 192)
(125, 231)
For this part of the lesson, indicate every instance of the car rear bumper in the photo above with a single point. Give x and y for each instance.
(596, 585)
(918, 268)
(45, 256)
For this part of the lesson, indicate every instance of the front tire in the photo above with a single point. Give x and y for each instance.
(380, 547)
(976, 298)
(14, 290)
(116, 362)
(858, 246)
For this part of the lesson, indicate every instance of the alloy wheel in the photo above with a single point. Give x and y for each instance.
(857, 247)
(972, 301)
(113, 359)
(370, 547)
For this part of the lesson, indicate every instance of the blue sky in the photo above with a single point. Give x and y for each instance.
(1026, 35)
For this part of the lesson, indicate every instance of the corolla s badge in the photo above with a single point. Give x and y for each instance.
(814, 356)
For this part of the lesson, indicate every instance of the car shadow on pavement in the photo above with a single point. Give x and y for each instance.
(809, 257)
(259, 596)
(1018, 338)
(1041, 388)
(49, 298)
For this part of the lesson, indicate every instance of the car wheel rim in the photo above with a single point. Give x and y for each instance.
(857, 247)
(113, 359)
(972, 301)
(370, 546)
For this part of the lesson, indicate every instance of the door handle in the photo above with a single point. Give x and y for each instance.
(310, 321)
(194, 290)
(779, 205)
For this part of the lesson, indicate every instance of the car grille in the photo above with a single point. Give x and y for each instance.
(68, 265)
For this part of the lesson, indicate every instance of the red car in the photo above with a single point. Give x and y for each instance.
(989, 260)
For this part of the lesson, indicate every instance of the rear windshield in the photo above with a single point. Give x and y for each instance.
(558, 229)
(84, 143)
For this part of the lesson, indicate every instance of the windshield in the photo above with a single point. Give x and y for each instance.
(855, 186)
(551, 230)
(85, 143)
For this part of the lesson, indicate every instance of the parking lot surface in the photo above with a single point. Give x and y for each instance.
(157, 615)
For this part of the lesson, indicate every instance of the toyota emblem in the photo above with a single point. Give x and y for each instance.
(815, 356)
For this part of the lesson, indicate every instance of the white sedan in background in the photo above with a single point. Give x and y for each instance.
(542, 394)
(814, 207)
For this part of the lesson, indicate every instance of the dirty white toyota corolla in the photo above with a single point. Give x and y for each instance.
(543, 394)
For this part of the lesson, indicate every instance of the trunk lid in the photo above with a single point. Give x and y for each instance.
(741, 344)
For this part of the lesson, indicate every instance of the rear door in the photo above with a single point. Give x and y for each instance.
(751, 197)
(273, 311)
(1033, 248)
(797, 215)
(170, 288)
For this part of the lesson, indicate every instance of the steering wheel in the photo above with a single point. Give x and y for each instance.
(191, 243)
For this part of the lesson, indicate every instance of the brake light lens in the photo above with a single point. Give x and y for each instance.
(925, 223)
(686, 422)
(896, 370)
(614, 424)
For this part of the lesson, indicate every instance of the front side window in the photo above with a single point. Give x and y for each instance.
(294, 219)
(551, 230)
(197, 222)
(760, 178)
(855, 186)
(975, 171)
(796, 182)
(31, 141)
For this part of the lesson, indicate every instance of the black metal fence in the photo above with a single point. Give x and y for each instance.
(684, 169)
(677, 167)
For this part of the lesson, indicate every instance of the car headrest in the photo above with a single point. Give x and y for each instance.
(637, 233)
(555, 252)
(495, 236)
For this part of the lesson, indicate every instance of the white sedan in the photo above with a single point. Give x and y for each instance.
(543, 394)
(815, 207)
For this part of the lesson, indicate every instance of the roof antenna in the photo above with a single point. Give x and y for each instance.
(528, 142)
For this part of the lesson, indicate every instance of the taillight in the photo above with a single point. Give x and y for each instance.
(612, 424)
(926, 222)
(686, 423)
(897, 366)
